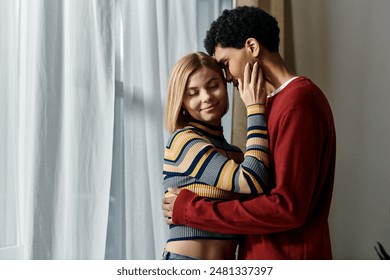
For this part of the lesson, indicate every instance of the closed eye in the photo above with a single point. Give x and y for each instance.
(213, 86)
(192, 92)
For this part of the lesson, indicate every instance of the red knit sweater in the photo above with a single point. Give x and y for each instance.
(291, 222)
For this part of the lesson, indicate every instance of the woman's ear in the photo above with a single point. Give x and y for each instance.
(253, 47)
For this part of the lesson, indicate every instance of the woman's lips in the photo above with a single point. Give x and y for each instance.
(209, 108)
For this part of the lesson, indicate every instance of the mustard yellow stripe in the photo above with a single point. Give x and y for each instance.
(255, 109)
(226, 176)
(170, 168)
(260, 131)
(178, 143)
(208, 191)
(257, 142)
(190, 156)
(244, 188)
(176, 148)
(212, 192)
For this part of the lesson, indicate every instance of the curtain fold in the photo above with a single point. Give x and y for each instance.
(8, 130)
(64, 126)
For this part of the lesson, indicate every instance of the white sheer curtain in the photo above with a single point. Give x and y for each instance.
(8, 131)
(82, 90)
(59, 126)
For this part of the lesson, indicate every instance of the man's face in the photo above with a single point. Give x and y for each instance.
(233, 62)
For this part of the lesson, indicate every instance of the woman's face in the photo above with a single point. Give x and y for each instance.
(205, 97)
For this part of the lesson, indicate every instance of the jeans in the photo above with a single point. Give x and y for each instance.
(173, 256)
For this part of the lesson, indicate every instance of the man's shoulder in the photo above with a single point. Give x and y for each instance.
(301, 91)
(303, 86)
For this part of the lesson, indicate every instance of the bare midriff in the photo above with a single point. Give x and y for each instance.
(204, 249)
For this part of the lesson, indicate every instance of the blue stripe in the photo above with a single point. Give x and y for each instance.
(182, 150)
(257, 127)
(256, 114)
(220, 171)
(192, 166)
(259, 135)
(258, 179)
(180, 132)
(234, 177)
(258, 148)
(196, 160)
(204, 165)
(172, 174)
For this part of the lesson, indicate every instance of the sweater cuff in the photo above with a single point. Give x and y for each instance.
(255, 109)
(179, 209)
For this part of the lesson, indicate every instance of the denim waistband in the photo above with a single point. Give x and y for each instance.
(166, 255)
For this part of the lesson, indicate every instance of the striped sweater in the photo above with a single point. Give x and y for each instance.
(197, 157)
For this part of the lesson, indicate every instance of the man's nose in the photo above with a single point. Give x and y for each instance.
(229, 77)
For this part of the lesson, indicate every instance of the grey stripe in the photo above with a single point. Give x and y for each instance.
(185, 233)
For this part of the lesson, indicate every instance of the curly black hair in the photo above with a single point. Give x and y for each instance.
(234, 26)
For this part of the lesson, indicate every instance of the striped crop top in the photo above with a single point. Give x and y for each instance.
(198, 158)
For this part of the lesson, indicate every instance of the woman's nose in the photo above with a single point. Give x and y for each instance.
(206, 96)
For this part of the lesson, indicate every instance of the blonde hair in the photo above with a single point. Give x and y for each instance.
(180, 73)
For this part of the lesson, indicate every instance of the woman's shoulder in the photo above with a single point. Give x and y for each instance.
(185, 134)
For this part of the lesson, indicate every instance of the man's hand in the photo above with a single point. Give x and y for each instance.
(168, 203)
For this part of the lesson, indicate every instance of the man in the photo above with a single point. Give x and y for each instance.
(291, 221)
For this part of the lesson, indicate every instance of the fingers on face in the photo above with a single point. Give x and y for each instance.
(254, 77)
(259, 75)
(252, 73)
(247, 74)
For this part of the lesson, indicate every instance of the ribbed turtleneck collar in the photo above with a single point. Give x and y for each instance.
(211, 130)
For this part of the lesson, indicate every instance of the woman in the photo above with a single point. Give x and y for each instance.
(198, 157)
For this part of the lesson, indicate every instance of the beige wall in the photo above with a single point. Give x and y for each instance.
(343, 46)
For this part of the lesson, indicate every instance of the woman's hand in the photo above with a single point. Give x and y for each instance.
(252, 89)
